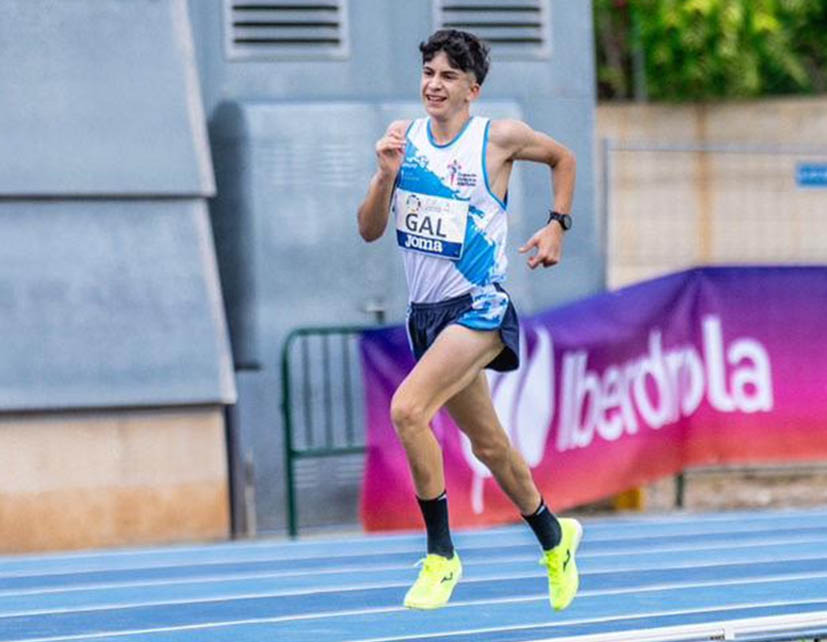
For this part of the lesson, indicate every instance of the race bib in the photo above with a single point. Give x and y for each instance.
(432, 225)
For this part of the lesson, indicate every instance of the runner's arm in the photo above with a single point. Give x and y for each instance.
(519, 142)
(374, 210)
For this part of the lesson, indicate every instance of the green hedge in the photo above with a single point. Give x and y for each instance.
(707, 49)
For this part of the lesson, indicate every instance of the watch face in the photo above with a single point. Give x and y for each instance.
(563, 219)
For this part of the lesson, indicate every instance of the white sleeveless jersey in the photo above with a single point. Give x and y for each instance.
(450, 226)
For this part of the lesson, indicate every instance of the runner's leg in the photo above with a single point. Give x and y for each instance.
(456, 356)
(454, 360)
(473, 411)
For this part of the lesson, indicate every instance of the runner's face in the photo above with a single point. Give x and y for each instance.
(445, 89)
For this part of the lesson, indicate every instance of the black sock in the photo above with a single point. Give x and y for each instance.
(545, 526)
(435, 512)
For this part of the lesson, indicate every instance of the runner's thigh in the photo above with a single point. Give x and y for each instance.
(457, 355)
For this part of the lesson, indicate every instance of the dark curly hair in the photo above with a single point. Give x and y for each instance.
(464, 50)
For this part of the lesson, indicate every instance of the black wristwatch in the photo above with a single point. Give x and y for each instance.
(563, 219)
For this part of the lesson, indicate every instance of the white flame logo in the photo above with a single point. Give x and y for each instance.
(524, 401)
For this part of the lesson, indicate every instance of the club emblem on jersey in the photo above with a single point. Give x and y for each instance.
(412, 204)
(453, 170)
(459, 178)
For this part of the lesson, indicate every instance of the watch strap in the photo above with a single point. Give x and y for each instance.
(563, 219)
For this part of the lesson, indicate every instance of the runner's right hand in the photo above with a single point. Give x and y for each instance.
(390, 151)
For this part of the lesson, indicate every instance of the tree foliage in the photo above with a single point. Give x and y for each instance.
(707, 49)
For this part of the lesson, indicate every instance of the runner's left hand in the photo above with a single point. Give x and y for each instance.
(549, 244)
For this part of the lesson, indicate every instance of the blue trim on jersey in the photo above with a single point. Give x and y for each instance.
(451, 142)
(414, 176)
(478, 255)
(485, 169)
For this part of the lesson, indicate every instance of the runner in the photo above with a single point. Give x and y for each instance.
(445, 177)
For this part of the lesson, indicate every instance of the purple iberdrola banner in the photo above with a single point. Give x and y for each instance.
(713, 365)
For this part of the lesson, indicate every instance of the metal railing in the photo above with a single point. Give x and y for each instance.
(318, 426)
(794, 627)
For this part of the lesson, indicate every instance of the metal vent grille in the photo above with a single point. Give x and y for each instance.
(513, 28)
(286, 29)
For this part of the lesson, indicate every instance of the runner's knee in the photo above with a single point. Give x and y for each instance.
(493, 451)
(407, 415)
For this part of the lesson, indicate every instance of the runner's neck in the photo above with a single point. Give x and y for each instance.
(445, 131)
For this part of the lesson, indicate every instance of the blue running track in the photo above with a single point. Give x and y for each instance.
(747, 575)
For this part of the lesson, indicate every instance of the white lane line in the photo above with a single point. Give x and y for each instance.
(317, 590)
(287, 549)
(595, 620)
(208, 579)
(671, 563)
(276, 541)
(664, 586)
(413, 550)
(610, 523)
(617, 548)
(378, 610)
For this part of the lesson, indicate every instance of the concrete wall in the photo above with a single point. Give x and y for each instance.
(109, 294)
(111, 302)
(777, 120)
(100, 97)
(91, 479)
(671, 209)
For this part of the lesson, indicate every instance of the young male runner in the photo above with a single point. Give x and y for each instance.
(446, 179)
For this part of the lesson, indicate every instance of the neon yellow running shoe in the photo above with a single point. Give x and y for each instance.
(563, 580)
(436, 582)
